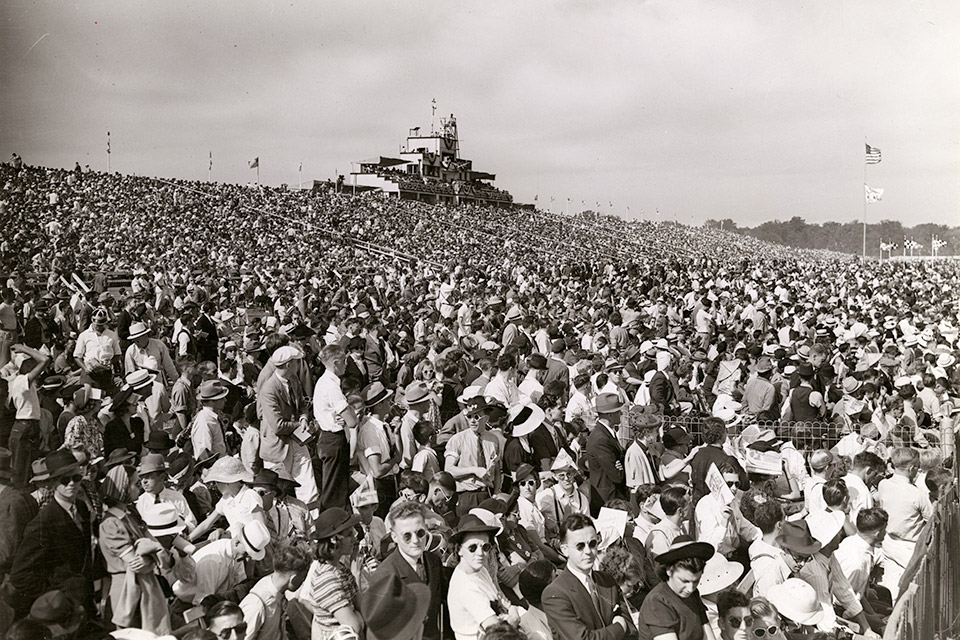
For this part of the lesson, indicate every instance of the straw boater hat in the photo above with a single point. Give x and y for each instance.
(255, 537)
(137, 330)
(525, 419)
(162, 519)
(139, 379)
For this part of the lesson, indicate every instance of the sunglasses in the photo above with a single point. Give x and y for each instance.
(473, 417)
(732, 483)
(408, 535)
(527, 483)
(240, 630)
(761, 632)
(734, 622)
(485, 547)
(593, 544)
(262, 491)
(68, 479)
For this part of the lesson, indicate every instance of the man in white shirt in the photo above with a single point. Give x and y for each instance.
(206, 433)
(721, 525)
(220, 563)
(503, 388)
(822, 463)
(858, 554)
(263, 606)
(909, 509)
(333, 414)
(867, 470)
(97, 346)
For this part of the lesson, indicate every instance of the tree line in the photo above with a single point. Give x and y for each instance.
(846, 237)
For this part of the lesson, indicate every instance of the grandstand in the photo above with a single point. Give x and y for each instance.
(431, 170)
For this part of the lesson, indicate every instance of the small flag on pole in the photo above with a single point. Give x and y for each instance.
(255, 162)
(108, 142)
(211, 161)
(873, 155)
(872, 195)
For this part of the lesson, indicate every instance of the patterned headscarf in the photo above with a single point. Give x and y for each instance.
(116, 486)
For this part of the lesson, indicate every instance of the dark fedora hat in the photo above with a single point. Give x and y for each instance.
(159, 441)
(470, 523)
(61, 463)
(684, 546)
(265, 478)
(118, 456)
(394, 609)
(333, 521)
(795, 536)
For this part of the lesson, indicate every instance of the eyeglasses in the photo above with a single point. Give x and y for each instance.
(563, 475)
(769, 631)
(407, 536)
(240, 630)
(593, 544)
(473, 417)
(732, 483)
(485, 547)
(68, 479)
(527, 482)
(262, 491)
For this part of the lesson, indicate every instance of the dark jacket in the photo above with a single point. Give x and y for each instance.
(572, 613)
(396, 564)
(607, 481)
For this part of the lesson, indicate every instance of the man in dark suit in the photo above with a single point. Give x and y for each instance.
(413, 563)
(55, 551)
(557, 369)
(605, 455)
(662, 394)
(356, 364)
(205, 332)
(374, 355)
(17, 509)
(582, 603)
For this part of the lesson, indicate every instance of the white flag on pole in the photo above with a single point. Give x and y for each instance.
(872, 195)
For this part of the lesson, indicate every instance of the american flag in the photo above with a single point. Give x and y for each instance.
(873, 155)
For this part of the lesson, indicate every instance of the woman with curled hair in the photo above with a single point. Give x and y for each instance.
(626, 566)
(673, 609)
(327, 605)
(130, 553)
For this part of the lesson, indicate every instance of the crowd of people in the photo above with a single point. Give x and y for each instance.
(232, 412)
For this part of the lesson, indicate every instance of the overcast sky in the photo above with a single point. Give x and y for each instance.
(699, 108)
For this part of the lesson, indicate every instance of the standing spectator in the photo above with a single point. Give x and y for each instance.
(605, 455)
(148, 353)
(908, 507)
(206, 432)
(333, 415)
(281, 406)
(17, 509)
(472, 457)
(55, 551)
(24, 440)
(136, 599)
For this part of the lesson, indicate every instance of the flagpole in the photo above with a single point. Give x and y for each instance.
(210, 167)
(864, 206)
(108, 152)
(258, 171)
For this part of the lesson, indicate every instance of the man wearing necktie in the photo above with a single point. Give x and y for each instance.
(582, 602)
(55, 552)
(472, 457)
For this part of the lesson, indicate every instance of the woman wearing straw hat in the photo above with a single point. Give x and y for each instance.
(474, 600)
(673, 610)
(136, 599)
